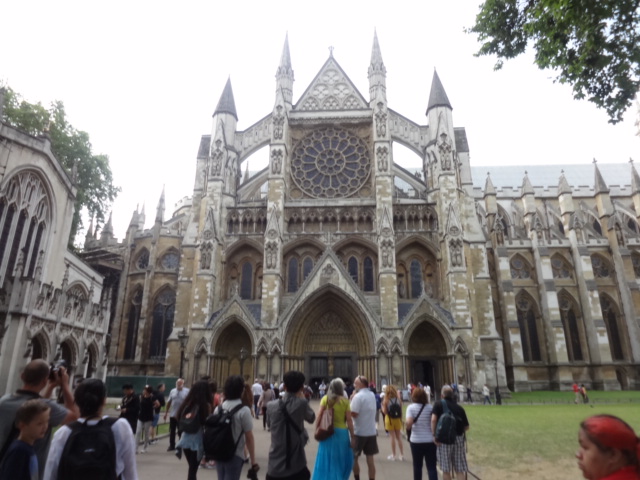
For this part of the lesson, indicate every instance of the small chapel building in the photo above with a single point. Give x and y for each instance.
(336, 261)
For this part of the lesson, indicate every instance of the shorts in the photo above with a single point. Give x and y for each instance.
(156, 419)
(448, 454)
(366, 445)
(391, 424)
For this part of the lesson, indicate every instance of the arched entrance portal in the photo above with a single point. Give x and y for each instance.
(329, 337)
(428, 361)
(233, 354)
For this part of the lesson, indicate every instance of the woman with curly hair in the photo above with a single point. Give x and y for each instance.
(392, 421)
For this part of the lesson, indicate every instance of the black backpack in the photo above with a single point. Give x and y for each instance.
(217, 439)
(446, 429)
(90, 452)
(395, 410)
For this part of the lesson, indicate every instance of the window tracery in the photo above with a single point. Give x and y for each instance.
(520, 270)
(570, 324)
(330, 163)
(163, 314)
(560, 268)
(170, 261)
(142, 262)
(610, 317)
(528, 330)
(600, 267)
(132, 326)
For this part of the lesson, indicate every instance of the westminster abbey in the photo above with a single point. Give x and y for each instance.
(336, 261)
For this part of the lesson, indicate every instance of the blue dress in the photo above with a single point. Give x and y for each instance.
(334, 460)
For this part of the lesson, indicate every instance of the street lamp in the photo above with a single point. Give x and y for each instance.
(243, 357)
(183, 338)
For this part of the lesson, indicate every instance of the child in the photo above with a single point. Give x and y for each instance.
(20, 462)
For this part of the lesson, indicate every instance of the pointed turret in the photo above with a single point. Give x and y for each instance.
(107, 232)
(160, 209)
(227, 104)
(377, 73)
(284, 74)
(489, 189)
(135, 219)
(527, 188)
(635, 178)
(437, 97)
(89, 237)
(563, 185)
(246, 174)
(599, 183)
(142, 218)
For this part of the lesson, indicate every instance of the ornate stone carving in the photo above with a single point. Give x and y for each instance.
(216, 159)
(455, 248)
(278, 123)
(328, 270)
(381, 120)
(276, 161)
(271, 252)
(386, 250)
(382, 153)
(446, 152)
(205, 255)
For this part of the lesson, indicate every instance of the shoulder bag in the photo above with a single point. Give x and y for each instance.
(324, 427)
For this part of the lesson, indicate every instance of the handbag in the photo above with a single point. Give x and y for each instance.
(324, 427)
(414, 421)
(190, 422)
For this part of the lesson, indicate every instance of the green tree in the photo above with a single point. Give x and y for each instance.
(594, 45)
(72, 148)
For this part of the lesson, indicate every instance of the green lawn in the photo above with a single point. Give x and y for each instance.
(569, 397)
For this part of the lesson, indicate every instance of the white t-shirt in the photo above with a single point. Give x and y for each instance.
(421, 430)
(256, 388)
(364, 404)
(125, 450)
(176, 397)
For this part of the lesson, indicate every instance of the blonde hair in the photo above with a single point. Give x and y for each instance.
(392, 392)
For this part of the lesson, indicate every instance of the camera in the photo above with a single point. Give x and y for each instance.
(54, 369)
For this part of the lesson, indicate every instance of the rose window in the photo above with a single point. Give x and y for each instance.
(330, 163)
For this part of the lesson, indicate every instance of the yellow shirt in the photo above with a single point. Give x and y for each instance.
(340, 409)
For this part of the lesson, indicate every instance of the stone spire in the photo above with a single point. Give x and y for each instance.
(489, 189)
(160, 209)
(377, 71)
(107, 232)
(246, 174)
(227, 104)
(527, 188)
(89, 237)
(284, 74)
(599, 184)
(635, 178)
(437, 97)
(135, 218)
(563, 185)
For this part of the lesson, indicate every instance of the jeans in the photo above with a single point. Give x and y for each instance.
(173, 427)
(426, 451)
(143, 428)
(256, 398)
(230, 470)
(192, 460)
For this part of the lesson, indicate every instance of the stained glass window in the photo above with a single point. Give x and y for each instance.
(246, 281)
(416, 279)
(163, 311)
(368, 274)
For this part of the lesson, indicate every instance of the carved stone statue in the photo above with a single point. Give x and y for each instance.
(446, 152)
(278, 123)
(383, 158)
(381, 120)
(276, 161)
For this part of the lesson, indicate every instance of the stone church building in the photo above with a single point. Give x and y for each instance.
(336, 261)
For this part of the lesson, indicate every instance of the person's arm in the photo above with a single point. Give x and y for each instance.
(55, 452)
(434, 423)
(67, 397)
(126, 449)
(409, 419)
(322, 409)
(349, 421)
(250, 442)
(309, 414)
(166, 410)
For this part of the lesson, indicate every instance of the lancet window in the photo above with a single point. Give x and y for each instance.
(163, 312)
(528, 329)
(569, 315)
(610, 317)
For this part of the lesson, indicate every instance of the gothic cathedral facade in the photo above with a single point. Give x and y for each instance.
(336, 261)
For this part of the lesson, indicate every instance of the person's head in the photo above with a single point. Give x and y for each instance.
(607, 444)
(419, 396)
(199, 396)
(266, 386)
(392, 392)
(36, 374)
(127, 389)
(336, 389)
(161, 387)
(90, 397)
(147, 391)
(180, 383)
(247, 395)
(32, 419)
(360, 382)
(233, 387)
(293, 381)
(447, 392)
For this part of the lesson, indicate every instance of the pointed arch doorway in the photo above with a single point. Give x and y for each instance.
(328, 337)
(233, 354)
(429, 361)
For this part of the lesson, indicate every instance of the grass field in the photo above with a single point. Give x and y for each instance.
(537, 440)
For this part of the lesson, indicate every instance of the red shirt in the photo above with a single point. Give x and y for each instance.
(626, 473)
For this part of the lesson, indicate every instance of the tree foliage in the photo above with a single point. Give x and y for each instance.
(594, 45)
(72, 148)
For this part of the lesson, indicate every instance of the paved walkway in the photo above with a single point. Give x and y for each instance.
(158, 464)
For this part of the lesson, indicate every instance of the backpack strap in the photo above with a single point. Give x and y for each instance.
(289, 420)
(418, 416)
(231, 413)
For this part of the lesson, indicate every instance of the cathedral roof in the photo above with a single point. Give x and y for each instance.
(508, 176)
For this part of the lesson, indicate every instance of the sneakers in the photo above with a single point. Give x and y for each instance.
(179, 453)
(392, 458)
(401, 458)
(171, 449)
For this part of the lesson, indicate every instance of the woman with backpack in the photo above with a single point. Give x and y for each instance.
(392, 409)
(420, 436)
(241, 428)
(110, 438)
(334, 460)
(191, 417)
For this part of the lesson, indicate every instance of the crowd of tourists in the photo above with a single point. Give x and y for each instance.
(212, 429)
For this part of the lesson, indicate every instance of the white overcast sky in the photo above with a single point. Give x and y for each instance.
(143, 78)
